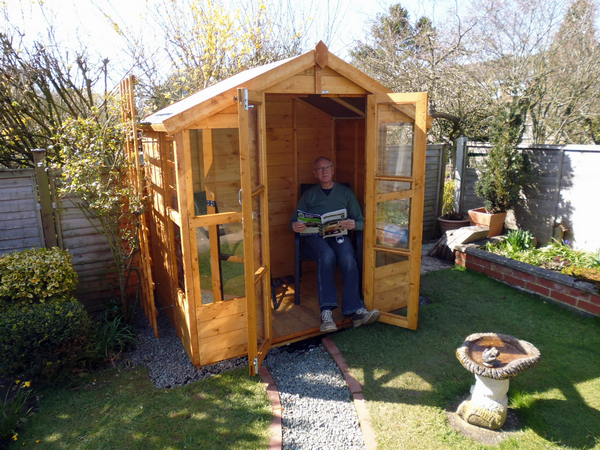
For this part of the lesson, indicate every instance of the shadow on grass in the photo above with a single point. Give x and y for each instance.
(122, 409)
(400, 368)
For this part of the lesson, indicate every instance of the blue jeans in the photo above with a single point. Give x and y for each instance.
(328, 253)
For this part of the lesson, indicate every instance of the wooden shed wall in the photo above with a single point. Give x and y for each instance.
(161, 258)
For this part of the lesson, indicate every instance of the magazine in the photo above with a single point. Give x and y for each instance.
(326, 225)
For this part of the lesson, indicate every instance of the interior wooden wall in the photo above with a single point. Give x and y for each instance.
(350, 155)
(297, 134)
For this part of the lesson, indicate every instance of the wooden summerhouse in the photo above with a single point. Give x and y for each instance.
(224, 169)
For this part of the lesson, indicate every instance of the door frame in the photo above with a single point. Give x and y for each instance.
(256, 252)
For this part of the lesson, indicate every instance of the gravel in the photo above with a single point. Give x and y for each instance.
(318, 410)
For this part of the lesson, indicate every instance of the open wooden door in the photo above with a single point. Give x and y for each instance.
(253, 167)
(396, 138)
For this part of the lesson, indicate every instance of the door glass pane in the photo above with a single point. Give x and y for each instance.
(386, 187)
(393, 223)
(223, 266)
(395, 149)
(254, 154)
(215, 170)
(257, 231)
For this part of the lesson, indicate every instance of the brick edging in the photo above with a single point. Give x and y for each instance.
(557, 287)
(276, 432)
(364, 418)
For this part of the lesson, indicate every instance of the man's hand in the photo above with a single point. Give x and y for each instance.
(349, 224)
(298, 226)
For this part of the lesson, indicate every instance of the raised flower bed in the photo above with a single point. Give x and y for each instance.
(547, 283)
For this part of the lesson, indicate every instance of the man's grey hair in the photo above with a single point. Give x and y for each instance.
(321, 158)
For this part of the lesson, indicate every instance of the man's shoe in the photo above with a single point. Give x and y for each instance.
(364, 317)
(327, 323)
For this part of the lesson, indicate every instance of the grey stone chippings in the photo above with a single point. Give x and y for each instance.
(318, 410)
(167, 361)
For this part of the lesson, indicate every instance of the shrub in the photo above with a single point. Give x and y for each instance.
(448, 197)
(506, 169)
(43, 339)
(36, 275)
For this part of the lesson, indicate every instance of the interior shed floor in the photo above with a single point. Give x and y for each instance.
(293, 322)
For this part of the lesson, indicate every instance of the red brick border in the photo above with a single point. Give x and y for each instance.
(276, 432)
(364, 418)
(559, 288)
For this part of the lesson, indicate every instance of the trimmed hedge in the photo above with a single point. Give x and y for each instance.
(43, 339)
(36, 275)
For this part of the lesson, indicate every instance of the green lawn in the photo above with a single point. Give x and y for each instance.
(116, 409)
(412, 379)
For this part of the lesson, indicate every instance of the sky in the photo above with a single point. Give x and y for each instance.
(83, 20)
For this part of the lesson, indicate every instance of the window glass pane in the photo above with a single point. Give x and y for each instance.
(395, 149)
(179, 257)
(215, 170)
(393, 223)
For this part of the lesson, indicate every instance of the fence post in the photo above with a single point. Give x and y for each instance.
(43, 187)
(459, 172)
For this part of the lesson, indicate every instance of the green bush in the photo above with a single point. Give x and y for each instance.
(448, 197)
(36, 275)
(43, 339)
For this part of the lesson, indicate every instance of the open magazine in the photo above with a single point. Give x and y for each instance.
(326, 225)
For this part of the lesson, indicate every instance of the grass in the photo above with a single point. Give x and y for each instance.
(412, 379)
(122, 409)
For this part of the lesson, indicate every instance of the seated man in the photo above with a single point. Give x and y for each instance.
(330, 196)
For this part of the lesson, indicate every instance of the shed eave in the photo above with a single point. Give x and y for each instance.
(269, 75)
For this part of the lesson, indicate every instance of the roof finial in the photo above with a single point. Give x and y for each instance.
(321, 54)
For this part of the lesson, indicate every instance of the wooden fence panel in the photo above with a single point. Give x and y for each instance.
(20, 220)
(92, 258)
(435, 166)
(21, 228)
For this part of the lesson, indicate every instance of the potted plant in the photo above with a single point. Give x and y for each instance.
(450, 218)
(505, 168)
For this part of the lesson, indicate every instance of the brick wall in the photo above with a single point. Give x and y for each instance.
(546, 283)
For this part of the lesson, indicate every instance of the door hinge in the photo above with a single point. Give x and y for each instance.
(246, 104)
(256, 364)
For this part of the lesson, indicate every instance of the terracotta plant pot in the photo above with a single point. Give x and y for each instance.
(481, 218)
(446, 224)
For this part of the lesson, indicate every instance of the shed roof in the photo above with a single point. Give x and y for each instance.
(189, 111)
(210, 92)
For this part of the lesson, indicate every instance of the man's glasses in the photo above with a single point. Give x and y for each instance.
(324, 168)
